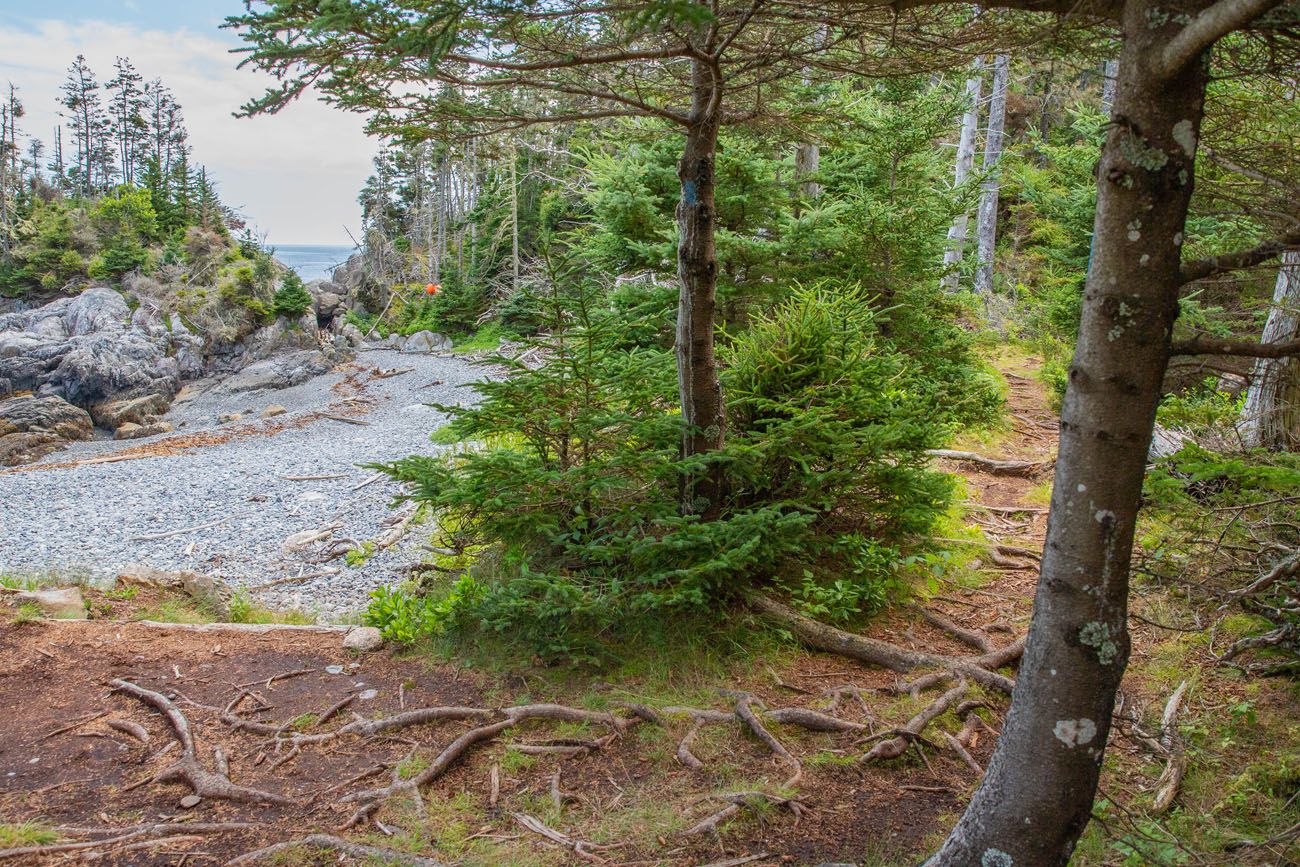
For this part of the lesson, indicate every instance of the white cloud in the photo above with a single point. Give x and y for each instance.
(295, 175)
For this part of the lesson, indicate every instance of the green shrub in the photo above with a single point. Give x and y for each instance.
(292, 298)
(1200, 408)
(121, 258)
(575, 477)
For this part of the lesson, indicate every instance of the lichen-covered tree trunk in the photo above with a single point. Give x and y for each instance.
(1037, 795)
(987, 225)
(1270, 417)
(970, 120)
(703, 412)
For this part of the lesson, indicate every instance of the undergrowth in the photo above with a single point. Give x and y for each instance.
(568, 484)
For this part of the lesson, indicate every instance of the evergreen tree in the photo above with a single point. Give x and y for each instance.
(127, 118)
(292, 298)
(90, 128)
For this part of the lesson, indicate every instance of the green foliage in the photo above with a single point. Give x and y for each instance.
(1201, 408)
(573, 482)
(16, 834)
(292, 298)
(124, 216)
(405, 616)
(358, 556)
(1188, 499)
(46, 254)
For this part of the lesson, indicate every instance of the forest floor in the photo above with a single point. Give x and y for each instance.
(593, 776)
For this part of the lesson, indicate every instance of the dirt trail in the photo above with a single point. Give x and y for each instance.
(67, 761)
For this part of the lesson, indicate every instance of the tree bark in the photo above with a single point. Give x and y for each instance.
(514, 218)
(703, 412)
(807, 162)
(1037, 795)
(970, 121)
(1270, 417)
(1110, 75)
(988, 210)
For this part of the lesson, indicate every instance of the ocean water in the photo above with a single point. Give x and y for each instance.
(313, 261)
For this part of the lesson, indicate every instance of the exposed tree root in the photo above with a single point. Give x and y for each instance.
(337, 844)
(126, 726)
(745, 713)
(911, 731)
(445, 759)
(975, 640)
(188, 769)
(126, 836)
(981, 669)
(737, 801)
(581, 848)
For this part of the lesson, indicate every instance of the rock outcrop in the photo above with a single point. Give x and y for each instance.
(90, 348)
(32, 427)
(281, 371)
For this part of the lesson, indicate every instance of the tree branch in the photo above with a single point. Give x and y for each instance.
(1207, 28)
(1243, 348)
(1199, 269)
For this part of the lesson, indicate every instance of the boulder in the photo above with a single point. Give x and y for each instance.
(427, 341)
(228, 417)
(32, 427)
(352, 335)
(44, 415)
(363, 639)
(281, 336)
(396, 341)
(64, 603)
(272, 411)
(133, 431)
(280, 372)
(328, 305)
(112, 414)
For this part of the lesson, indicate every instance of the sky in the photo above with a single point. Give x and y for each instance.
(295, 175)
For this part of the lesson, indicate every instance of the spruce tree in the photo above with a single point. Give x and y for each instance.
(292, 299)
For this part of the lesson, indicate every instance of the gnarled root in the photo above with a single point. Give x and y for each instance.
(911, 732)
(982, 669)
(737, 801)
(188, 769)
(127, 836)
(337, 844)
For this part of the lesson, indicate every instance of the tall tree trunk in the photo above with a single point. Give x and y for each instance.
(970, 121)
(1270, 417)
(987, 226)
(1110, 75)
(1045, 114)
(807, 162)
(1036, 797)
(703, 412)
(514, 218)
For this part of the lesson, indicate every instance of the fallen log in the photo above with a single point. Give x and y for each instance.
(996, 466)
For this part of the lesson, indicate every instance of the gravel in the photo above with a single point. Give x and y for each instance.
(229, 504)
